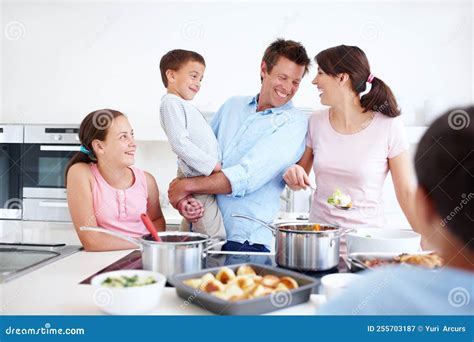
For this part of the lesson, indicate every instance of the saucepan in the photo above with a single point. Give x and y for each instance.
(305, 246)
(178, 252)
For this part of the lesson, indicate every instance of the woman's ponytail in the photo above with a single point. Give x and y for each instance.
(380, 99)
(353, 61)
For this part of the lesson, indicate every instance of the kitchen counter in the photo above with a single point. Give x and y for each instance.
(55, 290)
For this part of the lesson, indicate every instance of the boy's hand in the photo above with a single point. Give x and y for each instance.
(190, 208)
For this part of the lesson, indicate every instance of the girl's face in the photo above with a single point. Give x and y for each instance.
(329, 88)
(119, 146)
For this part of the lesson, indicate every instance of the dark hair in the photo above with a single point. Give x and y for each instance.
(94, 126)
(294, 51)
(175, 59)
(444, 164)
(353, 61)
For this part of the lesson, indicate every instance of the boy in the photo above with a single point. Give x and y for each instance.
(190, 136)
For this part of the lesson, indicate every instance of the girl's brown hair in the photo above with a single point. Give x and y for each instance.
(352, 60)
(94, 126)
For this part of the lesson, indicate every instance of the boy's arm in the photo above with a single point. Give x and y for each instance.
(173, 121)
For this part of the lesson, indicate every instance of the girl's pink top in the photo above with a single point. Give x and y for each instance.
(356, 164)
(119, 209)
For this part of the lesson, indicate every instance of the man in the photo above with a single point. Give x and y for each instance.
(259, 138)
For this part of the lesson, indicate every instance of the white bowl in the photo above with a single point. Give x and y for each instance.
(128, 300)
(370, 240)
(334, 284)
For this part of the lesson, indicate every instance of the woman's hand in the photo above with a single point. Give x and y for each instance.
(296, 178)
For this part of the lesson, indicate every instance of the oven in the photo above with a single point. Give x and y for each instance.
(11, 140)
(46, 151)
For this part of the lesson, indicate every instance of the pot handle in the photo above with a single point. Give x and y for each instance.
(263, 223)
(341, 235)
(214, 242)
(116, 234)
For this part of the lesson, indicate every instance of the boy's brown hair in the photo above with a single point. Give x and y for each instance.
(175, 59)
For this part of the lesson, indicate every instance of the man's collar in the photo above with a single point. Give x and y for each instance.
(254, 101)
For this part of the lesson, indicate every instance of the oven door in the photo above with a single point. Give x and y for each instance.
(43, 169)
(10, 181)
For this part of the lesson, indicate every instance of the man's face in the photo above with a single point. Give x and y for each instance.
(280, 85)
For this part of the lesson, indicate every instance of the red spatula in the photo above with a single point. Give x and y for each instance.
(150, 227)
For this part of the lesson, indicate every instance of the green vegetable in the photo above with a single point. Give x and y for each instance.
(334, 198)
(125, 281)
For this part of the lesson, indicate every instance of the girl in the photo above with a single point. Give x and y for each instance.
(103, 187)
(354, 143)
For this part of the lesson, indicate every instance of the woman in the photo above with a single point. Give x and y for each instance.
(103, 187)
(445, 210)
(353, 144)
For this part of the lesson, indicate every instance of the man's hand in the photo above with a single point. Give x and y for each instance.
(177, 191)
(296, 178)
(190, 208)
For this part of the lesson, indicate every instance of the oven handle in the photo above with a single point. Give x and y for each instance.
(59, 148)
(51, 204)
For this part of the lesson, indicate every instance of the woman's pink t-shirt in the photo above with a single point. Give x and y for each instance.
(356, 164)
(119, 209)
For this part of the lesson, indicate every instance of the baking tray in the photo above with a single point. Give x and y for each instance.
(256, 306)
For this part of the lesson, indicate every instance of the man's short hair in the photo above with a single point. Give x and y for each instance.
(175, 59)
(294, 51)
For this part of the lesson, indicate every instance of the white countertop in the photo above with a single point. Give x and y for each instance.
(55, 290)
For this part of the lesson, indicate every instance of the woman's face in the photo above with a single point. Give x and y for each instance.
(119, 146)
(328, 87)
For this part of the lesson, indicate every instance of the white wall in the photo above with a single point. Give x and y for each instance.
(61, 60)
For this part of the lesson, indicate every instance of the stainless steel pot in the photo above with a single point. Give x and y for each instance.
(298, 246)
(178, 252)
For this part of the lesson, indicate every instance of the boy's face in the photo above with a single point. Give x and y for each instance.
(186, 81)
(281, 84)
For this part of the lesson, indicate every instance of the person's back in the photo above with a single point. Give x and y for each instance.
(407, 290)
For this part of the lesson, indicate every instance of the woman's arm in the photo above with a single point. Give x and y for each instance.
(404, 184)
(79, 198)
(297, 175)
(154, 208)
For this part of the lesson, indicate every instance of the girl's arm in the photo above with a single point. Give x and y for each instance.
(154, 208)
(297, 175)
(404, 184)
(79, 198)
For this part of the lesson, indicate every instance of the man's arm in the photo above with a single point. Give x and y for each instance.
(216, 183)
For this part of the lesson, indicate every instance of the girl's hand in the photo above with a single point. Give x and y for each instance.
(296, 178)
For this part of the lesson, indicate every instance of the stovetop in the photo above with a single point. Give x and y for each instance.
(133, 260)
